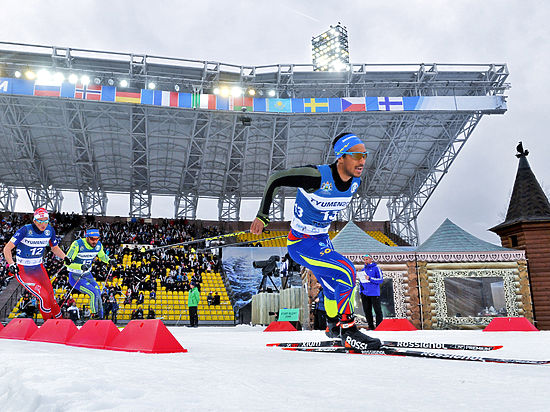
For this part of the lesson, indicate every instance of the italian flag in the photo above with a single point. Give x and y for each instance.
(203, 101)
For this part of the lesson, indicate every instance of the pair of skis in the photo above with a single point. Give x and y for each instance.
(398, 348)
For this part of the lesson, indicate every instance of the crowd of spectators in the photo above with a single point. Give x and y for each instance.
(130, 243)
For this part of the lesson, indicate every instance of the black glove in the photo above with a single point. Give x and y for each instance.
(67, 261)
(13, 269)
(85, 267)
(112, 262)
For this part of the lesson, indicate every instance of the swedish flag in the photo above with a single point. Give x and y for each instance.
(316, 105)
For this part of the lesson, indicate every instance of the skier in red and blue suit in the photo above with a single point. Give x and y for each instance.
(30, 242)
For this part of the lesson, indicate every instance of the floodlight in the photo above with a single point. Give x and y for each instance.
(216, 90)
(177, 87)
(29, 74)
(85, 80)
(17, 74)
(152, 85)
(251, 92)
(58, 78)
(330, 49)
(97, 80)
(73, 78)
(271, 93)
(236, 91)
(111, 82)
(43, 75)
(123, 83)
(224, 91)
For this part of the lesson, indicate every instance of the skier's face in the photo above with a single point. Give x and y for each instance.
(351, 166)
(92, 241)
(41, 224)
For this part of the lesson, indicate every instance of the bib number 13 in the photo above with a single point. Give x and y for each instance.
(330, 215)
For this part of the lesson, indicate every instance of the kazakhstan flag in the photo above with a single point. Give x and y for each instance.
(279, 105)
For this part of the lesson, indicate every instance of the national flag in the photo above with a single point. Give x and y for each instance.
(260, 104)
(88, 92)
(334, 104)
(297, 105)
(48, 91)
(162, 98)
(238, 103)
(185, 100)
(279, 105)
(128, 97)
(68, 90)
(316, 105)
(204, 101)
(108, 93)
(390, 104)
(353, 104)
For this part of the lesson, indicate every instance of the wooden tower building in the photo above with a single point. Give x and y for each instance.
(527, 227)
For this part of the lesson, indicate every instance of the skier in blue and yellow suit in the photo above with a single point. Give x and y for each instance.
(323, 191)
(81, 254)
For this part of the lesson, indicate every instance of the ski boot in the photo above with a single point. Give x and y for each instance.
(333, 329)
(352, 338)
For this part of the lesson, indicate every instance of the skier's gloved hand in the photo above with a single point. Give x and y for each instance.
(67, 261)
(13, 269)
(112, 262)
(85, 267)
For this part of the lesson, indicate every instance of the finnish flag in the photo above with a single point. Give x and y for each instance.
(390, 104)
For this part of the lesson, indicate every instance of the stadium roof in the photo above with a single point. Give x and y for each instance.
(414, 124)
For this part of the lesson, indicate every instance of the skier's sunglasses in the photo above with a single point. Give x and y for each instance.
(41, 221)
(357, 155)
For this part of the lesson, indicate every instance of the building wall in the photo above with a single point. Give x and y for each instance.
(534, 238)
(434, 298)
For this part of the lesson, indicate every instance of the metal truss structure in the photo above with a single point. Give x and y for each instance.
(49, 145)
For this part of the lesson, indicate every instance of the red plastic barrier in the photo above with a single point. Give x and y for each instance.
(1, 326)
(20, 329)
(55, 331)
(149, 336)
(96, 334)
(510, 324)
(395, 325)
(284, 326)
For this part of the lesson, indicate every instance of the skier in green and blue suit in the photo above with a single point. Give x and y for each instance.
(79, 264)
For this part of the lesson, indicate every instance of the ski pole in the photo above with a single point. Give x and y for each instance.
(241, 243)
(67, 295)
(190, 242)
(57, 273)
(106, 280)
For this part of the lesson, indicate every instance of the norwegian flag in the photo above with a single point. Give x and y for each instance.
(88, 92)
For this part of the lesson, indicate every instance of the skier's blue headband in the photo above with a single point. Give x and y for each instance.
(345, 144)
(92, 233)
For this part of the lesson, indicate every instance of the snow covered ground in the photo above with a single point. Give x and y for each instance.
(231, 369)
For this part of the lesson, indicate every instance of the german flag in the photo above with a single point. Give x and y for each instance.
(128, 97)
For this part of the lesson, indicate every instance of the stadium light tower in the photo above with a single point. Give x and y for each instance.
(330, 50)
